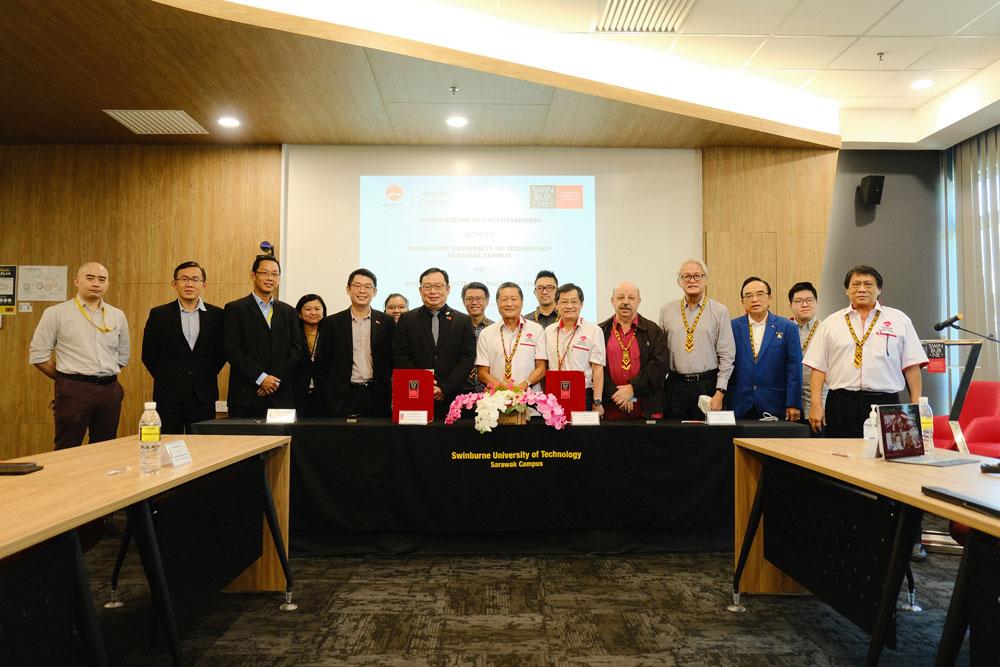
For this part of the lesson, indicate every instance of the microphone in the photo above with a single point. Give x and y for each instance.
(947, 323)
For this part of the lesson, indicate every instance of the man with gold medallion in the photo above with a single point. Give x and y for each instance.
(767, 373)
(575, 345)
(867, 353)
(513, 349)
(636, 360)
(701, 344)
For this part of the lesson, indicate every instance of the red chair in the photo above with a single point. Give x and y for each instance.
(983, 400)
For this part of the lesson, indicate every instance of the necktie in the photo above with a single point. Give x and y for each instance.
(435, 325)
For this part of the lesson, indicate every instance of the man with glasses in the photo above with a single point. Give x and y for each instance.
(803, 300)
(263, 342)
(436, 337)
(767, 373)
(573, 344)
(182, 349)
(354, 363)
(701, 344)
(545, 293)
(867, 353)
(476, 296)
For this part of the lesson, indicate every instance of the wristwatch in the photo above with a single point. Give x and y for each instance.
(598, 402)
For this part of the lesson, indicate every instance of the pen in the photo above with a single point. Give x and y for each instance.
(845, 455)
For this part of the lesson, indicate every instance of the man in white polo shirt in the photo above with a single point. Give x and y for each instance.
(90, 340)
(571, 344)
(513, 349)
(867, 353)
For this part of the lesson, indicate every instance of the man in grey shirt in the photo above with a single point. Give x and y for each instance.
(701, 344)
(90, 340)
(803, 302)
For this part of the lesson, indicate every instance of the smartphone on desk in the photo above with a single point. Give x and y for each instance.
(22, 468)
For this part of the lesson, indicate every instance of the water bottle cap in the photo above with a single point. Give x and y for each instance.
(923, 399)
(149, 405)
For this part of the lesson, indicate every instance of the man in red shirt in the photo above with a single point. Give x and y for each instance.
(637, 360)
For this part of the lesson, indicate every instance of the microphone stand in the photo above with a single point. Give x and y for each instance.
(954, 325)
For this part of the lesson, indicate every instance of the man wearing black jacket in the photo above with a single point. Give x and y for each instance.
(437, 337)
(182, 350)
(263, 342)
(354, 364)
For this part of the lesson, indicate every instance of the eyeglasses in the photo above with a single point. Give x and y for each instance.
(360, 287)
(545, 288)
(691, 277)
(435, 287)
(189, 279)
(755, 295)
(268, 274)
(475, 299)
(566, 302)
(803, 302)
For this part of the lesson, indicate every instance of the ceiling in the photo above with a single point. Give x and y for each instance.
(64, 63)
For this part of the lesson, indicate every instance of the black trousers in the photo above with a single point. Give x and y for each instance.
(846, 410)
(682, 396)
(360, 401)
(178, 417)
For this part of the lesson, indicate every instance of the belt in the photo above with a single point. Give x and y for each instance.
(358, 386)
(89, 379)
(694, 377)
(862, 392)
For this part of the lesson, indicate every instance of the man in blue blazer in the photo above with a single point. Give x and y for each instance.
(767, 373)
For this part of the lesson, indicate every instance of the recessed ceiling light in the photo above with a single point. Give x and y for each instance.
(920, 84)
(458, 121)
(229, 121)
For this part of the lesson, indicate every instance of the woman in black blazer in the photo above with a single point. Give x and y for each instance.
(308, 400)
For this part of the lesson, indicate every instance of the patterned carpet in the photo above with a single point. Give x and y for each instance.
(664, 609)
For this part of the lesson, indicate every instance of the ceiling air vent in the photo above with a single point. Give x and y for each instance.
(642, 16)
(143, 121)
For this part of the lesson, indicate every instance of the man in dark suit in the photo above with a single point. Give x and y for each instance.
(435, 336)
(182, 350)
(767, 373)
(354, 364)
(263, 342)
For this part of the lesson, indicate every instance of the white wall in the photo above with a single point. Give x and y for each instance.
(648, 211)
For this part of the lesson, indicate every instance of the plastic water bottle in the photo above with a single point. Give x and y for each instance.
(871, 435)
(927, 425)
(149, 440)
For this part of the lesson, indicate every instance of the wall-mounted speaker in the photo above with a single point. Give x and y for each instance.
(870, 190)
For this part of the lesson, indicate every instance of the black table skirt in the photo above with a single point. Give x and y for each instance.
(375, 487)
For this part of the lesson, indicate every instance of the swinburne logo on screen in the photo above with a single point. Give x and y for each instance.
(556, 196)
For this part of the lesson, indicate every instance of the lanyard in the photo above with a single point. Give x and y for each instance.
(104, 316)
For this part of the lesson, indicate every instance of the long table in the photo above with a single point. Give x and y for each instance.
(77, 486)
(847, 525)
(376, 487)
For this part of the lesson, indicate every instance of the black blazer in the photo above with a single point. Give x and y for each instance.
(179, 373)
(252, 348)
(335, 359)
(452, 358)
(653, 364)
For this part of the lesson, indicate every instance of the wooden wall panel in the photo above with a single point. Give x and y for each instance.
(765, 212)
(139, 210)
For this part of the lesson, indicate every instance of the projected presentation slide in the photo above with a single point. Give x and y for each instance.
(489, 229)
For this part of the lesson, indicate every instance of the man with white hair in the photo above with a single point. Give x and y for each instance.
(91, 345)
(701, 344)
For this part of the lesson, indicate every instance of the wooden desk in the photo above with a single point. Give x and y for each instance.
(74, 487)
(897, 481)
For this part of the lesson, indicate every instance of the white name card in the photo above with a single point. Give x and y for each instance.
(413, 417)
(177, 453)
(585, 418)
(721, 418)
(221, 406)
(281, 415)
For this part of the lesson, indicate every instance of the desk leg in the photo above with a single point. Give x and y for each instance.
(86, 616)
(271, 514)
(140, 518)
(751, 531)
(957, 621)
(907, 526)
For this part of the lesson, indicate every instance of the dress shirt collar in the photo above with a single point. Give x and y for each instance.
(360, 319)
(200, 306)
(697, 305)
(260, 301)
(636, 322)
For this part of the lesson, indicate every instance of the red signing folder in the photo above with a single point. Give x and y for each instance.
(569, 388)
(412, 389)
